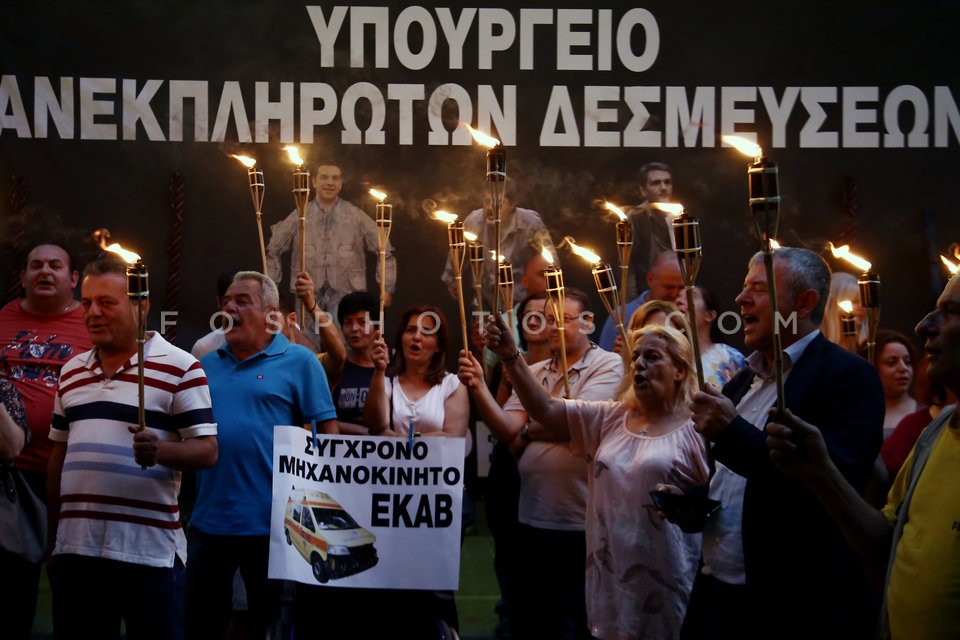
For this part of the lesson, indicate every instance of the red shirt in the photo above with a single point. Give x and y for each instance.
(897, 447)
(32, 350)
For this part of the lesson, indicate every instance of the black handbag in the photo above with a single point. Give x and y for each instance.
(23, 517)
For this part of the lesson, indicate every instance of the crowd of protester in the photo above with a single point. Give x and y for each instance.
(626, 500)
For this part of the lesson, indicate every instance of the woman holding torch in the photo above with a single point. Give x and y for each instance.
(636, 562)
(419, 396)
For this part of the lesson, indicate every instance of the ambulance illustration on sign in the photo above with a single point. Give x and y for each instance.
(327, 536)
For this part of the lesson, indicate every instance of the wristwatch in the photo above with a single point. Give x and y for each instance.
(525, 432)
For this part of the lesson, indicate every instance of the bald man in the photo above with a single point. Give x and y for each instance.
(664, 282)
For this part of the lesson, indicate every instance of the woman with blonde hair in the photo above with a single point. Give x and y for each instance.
(654, 312)
(640, 569)
(843, 286)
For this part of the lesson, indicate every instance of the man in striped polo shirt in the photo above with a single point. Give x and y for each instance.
(112, 488)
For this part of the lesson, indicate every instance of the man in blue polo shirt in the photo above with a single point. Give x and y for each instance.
(258, 379)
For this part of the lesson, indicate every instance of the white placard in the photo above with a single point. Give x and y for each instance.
(366, 511)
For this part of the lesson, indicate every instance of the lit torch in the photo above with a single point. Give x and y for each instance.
(301, 195)
(607, 288)
(455, 235)
(475, 256)
(555, 298)
(505, 286)
(496, 176)
(624, 247)
(764, 198)
(384, 223)
(951, 266)
(869, 283)
(686, 243)
(257, 188)
(848, 324)
(138, 290)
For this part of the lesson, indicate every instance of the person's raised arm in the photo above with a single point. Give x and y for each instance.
(797, 448)
(376, 413)
(334, 351)
(540, 405)
(504, 425)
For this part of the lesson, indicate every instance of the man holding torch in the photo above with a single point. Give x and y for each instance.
(913, 539)
(338, 237)
(748, 582)
(118, 544)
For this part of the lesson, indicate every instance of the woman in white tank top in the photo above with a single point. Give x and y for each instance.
(419, 390)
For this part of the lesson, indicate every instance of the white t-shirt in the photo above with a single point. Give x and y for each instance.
(210, 342)
(427, 412)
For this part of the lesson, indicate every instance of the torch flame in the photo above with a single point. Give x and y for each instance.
(846, 306)
(609, 206)
(545, 252)
(482, 138)
(953, 268)
(294, 154)
(744, 146)
(470, 236)
(379, 195)
(774, 244)
(247, 161)
(583, 252)
(672, 208)
(128, 256)
(852, 258)
(444, 216)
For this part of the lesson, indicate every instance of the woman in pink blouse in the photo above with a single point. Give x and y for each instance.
(639, 567)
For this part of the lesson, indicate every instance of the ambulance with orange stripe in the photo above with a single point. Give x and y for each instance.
(326, 536)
